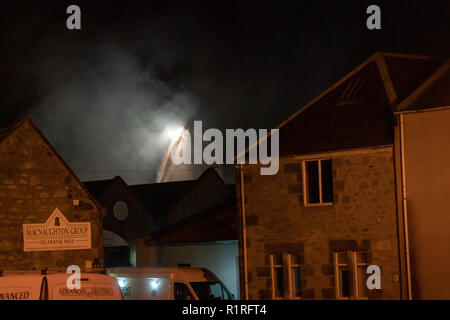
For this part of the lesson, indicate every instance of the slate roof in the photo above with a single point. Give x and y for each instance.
(358, 110)
(98, 187)
(158, 197)
(218, 223)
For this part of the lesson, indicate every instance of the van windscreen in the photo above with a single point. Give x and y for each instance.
(211, 291)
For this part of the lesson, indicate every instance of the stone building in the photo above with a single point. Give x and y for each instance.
(333, 208)
(47, 217)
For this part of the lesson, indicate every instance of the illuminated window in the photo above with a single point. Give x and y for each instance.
(350, 274)
(318, 182)
(289, 265)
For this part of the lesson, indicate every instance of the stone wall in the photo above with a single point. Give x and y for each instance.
(33, 182)
(362, 218)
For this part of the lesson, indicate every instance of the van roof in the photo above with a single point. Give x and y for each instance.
(39, 272)
(176, 273)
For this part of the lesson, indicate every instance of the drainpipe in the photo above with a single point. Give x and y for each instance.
(244, 230)
(405, 210)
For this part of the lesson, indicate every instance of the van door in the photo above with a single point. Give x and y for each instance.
(92, 287)
(20, 287)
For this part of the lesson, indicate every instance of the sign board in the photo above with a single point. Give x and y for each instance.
(57, 233)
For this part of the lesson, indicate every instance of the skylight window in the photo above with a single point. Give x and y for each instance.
(352, 91)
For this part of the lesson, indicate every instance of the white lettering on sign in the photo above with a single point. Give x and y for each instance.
(57, 233)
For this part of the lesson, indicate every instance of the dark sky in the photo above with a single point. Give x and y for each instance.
(104, 94)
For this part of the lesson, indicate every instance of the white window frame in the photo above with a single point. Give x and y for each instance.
(272, 273)
(354, 294)
(305, 181)
(290, 267)
(355, 276)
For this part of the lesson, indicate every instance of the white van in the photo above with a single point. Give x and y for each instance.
(159, 283)
(34, 285)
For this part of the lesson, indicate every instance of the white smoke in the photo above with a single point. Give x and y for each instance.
(105, 113)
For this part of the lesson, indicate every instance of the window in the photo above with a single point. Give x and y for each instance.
(181, 292)
(295, 275)
(289, 265)
(276, 264)
(211, 291)
(350, 274)
(352, 91)
(318, 182)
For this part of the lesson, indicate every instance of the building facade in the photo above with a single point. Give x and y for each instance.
(47, 218)
(334, 208)
(126, 220)
(198, 227)
(424, 135)
(293, 246)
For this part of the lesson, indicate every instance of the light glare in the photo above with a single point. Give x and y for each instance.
(174, 133)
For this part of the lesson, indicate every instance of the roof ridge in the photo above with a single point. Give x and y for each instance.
(160, 183)
(13, 125)
(386, 79)
(403, 55)
(93, 181)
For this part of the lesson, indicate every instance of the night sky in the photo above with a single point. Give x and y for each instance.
(103, 94)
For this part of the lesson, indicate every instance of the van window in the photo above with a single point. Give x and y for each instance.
(182, 292)
(211, 291)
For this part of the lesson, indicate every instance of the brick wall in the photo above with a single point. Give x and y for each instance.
(362, 218)
(33, 182)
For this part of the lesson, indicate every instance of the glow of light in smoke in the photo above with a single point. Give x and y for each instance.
(173, 133)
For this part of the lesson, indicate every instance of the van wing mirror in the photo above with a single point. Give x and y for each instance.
(43, 295)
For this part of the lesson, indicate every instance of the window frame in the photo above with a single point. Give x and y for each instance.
(272, 274)
(354, 294)
(305, 183)
(289, 266)
(357, 264)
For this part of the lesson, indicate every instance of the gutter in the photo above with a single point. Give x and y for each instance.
(405, 209)
(244, 230)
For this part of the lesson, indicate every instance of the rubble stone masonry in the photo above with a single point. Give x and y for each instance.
(361, 218)
(33, 182)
